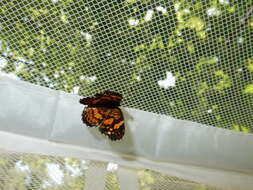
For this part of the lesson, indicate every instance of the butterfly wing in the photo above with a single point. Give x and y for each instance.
(110, 97)
(113, 125)
(93, 116)
(105, 99)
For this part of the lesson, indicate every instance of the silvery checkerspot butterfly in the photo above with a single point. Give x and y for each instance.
(103, 111)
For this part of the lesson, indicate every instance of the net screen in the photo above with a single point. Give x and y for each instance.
(189, 59)
(31, 171)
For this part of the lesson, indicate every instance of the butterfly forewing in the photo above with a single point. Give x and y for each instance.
(106, 99)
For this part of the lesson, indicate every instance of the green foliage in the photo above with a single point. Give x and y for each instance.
(248, 89)
(111, 181)
(225, 81)
(250, 64)
(29, 172)
(150, 180)
(236, 127)
(146, 179)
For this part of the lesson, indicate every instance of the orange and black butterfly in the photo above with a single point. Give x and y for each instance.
(103, 111)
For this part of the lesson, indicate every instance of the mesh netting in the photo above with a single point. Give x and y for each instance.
(30, 171)
(188, 59)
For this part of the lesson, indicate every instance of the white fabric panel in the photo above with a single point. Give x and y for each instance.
(25, 109)
(185, 149)
(128, 179)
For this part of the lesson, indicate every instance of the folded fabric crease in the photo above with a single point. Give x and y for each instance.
(49, 118)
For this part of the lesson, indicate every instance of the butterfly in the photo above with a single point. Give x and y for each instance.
(103, 111)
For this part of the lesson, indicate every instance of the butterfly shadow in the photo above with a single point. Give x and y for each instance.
(95, 133)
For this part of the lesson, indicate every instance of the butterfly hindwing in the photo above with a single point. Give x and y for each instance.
(93, 116)
(113, 125)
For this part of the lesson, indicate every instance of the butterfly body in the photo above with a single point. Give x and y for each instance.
(103, 111)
